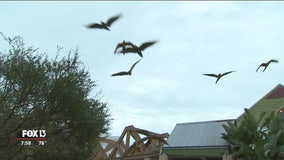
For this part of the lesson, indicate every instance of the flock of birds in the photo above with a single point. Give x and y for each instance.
(129, 47)
(219, 76)
(126, 47)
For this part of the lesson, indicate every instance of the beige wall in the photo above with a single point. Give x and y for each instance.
(163, 157)
(227, 157)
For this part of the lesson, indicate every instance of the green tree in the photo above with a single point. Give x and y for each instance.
(256, 139)
(52, 94)
(274, 138)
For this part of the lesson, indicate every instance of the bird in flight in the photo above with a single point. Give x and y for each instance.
(123, 73)
(265, 65)
(136, 49)
(104, 25)
(123, 45)
(218, 76)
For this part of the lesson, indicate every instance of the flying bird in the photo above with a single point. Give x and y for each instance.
(136, 49)
(265, 65)
(123, 73)
(218, 76)
(123, 45)
(104, 25)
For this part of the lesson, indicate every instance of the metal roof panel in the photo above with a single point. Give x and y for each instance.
(198, 134)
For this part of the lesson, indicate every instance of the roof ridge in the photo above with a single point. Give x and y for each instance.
(208, 121)
(273, 90)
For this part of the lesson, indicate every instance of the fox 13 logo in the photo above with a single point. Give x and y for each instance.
(27, 136)
(33, 134)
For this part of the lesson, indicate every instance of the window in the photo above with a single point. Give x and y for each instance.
(280, 113)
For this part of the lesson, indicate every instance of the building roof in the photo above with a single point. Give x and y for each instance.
(271, 102)
(113, 138)
(203, 139)
(198, 135)
(277, 92)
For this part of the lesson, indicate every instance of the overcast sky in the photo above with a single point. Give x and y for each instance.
(167, 85)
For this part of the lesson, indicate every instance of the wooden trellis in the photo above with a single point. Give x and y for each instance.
(134, 143)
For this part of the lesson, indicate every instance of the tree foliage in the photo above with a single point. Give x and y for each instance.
(52, 94)
(256, 139)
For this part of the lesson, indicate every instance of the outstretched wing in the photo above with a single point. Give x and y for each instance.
(211, 75)
(132, 50)
(128, 43)
(120, 73)
(112, 19)
(128, 50)
(262, 64)
(117, 46)
(227, 73)
(146, 44)
(133, 66)
(94, 25)
(273, 60)
(130, 47)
